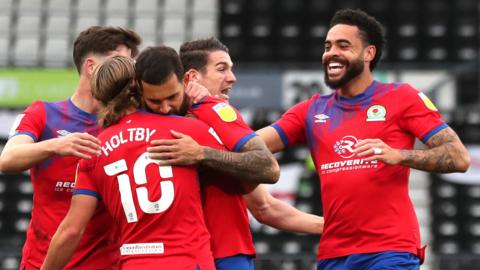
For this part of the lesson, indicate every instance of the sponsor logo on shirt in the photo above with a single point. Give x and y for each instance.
(64, 186)
(427, 102)
(142, 248)
(225, 112)
(345, 149)
(376, 113)
(321, 118)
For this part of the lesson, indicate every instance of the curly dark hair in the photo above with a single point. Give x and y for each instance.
(371, 30)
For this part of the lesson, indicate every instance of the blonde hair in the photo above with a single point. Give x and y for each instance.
(113, 84)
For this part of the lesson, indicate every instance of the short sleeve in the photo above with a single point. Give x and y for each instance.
(225, 120)
(84, 179)
(30, 122)
(291, 126)
(420, 117)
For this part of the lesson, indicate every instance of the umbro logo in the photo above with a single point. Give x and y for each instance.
(321, 118)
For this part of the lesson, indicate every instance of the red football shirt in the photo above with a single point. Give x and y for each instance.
(224, 208)
(53, 183)
(158, 209)
(366, 204)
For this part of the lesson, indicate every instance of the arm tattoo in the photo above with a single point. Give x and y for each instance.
(254, 163)
(445, 154)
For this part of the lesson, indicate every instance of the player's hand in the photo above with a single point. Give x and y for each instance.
(376, 149)
(183, 150)
(195, 91)
(82, 145)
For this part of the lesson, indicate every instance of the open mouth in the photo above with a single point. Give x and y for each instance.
(226, 91)
(335, 68)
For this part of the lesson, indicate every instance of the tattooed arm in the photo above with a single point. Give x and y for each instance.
(446, 153)
(254, 162)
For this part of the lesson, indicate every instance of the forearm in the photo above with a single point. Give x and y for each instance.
(61, 249)
(283, 216)
(21, 157)
(254, 165)
(446, 154)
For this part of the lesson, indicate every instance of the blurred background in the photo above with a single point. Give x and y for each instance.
(276, 46)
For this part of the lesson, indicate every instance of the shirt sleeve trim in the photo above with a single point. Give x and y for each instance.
(242, 141)
(87, 192)
(433, 132)
(282, 134)
(25, 133)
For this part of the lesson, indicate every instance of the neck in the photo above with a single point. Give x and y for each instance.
(130, 110)
(357, 85)
(83, 99)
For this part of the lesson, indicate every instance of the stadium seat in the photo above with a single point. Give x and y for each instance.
(203, 7)
(4, 25)
(146, 8)
(28, 26)
(10, 263)
(203, 26)
(58, 26)
(29, 7)
(117, 8)
(86, 21)
(116, 20)
(4, 51)
(26, 52)
(178, 7)
(59, 7)
(89, 8)
(173, 27)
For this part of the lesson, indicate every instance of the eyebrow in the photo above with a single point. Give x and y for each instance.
(338, 41)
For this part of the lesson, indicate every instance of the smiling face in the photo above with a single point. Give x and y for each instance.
(217, 76)
(345, 56)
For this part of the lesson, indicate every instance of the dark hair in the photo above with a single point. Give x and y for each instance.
(371, 31)
(155, 65)
(194, 54)
(113, 84)
(102, 40)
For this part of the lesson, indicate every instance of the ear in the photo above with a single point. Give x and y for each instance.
(89, 65)
(369, 53)
(191, 75)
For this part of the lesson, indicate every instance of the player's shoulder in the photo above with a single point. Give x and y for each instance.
(398, 87)
(54, 106)
(406, 93)
(37, 104)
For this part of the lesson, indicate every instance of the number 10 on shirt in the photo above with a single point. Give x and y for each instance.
(140, 178)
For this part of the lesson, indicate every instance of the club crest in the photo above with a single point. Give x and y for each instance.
(376, 113)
